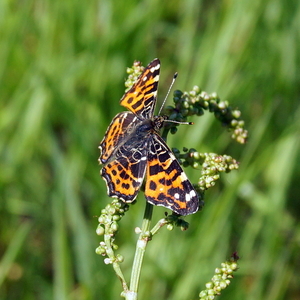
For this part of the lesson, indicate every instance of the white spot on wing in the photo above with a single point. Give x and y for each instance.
(172, 156)
(152, 70)
(183, 176)
(156, 78)
(193, 193)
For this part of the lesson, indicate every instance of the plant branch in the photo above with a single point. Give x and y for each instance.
(144, 238)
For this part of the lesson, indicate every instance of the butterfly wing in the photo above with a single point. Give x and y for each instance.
(125, 174)
(166, 184)
(141, 97)
(116, 134)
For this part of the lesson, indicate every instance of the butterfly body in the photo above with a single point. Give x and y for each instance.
(132, 149)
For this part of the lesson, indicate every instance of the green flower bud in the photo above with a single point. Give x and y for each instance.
(107, 261)
(115, 247)
(202, 294)
(100, 230)
(170, 227)
(223, 284)
(99, 250)
(114, 226)
(236, 114)
(209, 285)
(119, 258)
(116, 217)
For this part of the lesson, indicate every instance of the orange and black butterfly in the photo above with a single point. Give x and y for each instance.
(132, 149)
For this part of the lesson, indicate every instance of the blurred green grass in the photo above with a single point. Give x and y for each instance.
(62, 72)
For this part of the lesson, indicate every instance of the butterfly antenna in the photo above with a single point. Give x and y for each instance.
(171, 85)
(172, 121)
(178, 122)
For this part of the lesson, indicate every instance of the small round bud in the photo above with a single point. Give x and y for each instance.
(112, 210)
(116, 217)
(234, 123)
(211, 293)
(100, 230)
(234, 266)
(101, 219)
(223, 284)
(241, 123)
(170, 227)
(99, 250)
(185, 164)
(178, 93)
(195, 165)
(195, 155)
(196, 89)
(206, 97)
(236, 114)
(193, 93)
(217, 289)
(115, 247)
(173, 130)
(120, 258)
(107, 261)
(114, 226)
(209, 285)
(222, 105)
(202, 294)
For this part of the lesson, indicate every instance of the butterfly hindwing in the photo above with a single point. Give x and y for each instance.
(166, 184)
(124, 175)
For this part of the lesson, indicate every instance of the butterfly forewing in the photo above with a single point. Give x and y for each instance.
(141, 97)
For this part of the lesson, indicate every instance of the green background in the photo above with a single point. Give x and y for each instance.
(62, 71)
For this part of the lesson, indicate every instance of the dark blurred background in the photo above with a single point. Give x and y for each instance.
(62, 71)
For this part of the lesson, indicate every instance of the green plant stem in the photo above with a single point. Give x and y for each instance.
(144, 237)
(115, 263)
(159, 225)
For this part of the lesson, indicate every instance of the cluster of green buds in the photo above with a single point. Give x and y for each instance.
(212, 165)
(175, 220)
(221, 279)
(108, 225)
(133, 73)
(171, 221)
(196, 101)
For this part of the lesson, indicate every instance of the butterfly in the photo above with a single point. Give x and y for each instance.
(132, 150)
